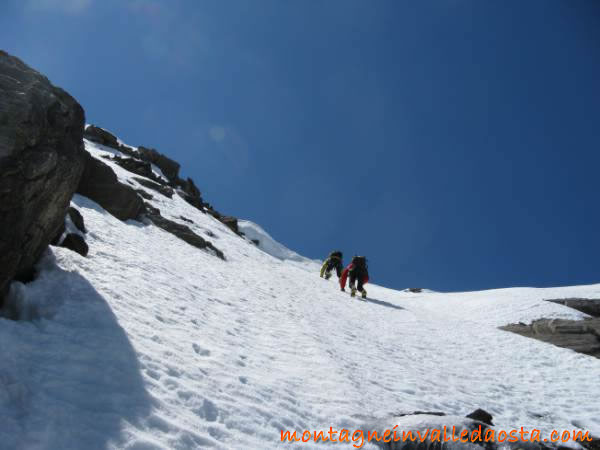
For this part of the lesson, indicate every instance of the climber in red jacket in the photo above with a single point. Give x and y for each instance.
(359, 273)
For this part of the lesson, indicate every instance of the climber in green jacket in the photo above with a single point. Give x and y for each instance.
(333, 261)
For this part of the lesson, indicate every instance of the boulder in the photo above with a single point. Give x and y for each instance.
(77, 219)
(76, 243)
(100, 184)
(41, 162)
(169, 168)
(101, 136)
(481, 416)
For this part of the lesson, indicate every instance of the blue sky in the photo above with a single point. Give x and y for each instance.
(455, 143)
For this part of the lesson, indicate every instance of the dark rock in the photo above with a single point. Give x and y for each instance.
(168, 167)
(256, 242)
(145, 195)
(101, 136)
(190, 193)
(214, 213)
(183, 232)
(415, 290)
(586, 305)
(164, 190)
(58, 236)
(41, 161)
(77, 219)
(583, 336)
(100, 184)
(185, 219)
(481, 416)
(231, 222)
(76, 243)
(594, 444)
(138, 167)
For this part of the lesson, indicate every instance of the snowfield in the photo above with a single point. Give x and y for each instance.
(150, 343)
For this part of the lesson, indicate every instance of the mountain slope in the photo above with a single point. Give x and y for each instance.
(150, 343)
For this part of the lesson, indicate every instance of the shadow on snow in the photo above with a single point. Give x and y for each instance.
(69, 377)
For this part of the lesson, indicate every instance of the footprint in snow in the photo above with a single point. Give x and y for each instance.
(200, 351)
(208, 411)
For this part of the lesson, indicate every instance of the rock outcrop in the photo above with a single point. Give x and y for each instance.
(168, 167)
(183, 232)
(139, 167)
(100, 184)
(161, 189)
(583, 336)
(41, 162)
(589, 306)
(101, 136)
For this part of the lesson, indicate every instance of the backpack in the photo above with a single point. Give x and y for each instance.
(360, 261)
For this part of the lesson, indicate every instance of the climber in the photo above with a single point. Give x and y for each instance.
(333, 261)
(358, 272)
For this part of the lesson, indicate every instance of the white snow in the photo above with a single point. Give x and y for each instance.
(269, 245)
(150, 343)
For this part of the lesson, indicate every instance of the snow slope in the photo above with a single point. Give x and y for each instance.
(269, 245)
(150, 343)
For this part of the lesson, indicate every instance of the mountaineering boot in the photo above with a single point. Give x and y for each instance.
(327, 275)
(364, 294)
(353, 292)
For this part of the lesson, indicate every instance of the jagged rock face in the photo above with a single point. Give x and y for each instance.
(138, 167)
(168, 167)
(100, 184)
(41, 161)
(101, 136)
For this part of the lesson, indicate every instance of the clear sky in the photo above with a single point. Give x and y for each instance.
(455, 143)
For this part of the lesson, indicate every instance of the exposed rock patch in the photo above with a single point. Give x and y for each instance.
(41, 161)
(139, 167)
(164, 190)
(583, 336)
(101, 136)
(100, 184)
(145, 194)
(76, 219)
(140, 163)
(168, 167)
(183, 232)
(76, 243)
(586, 305)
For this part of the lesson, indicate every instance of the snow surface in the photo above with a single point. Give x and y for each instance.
(150, 343)
(269, 245)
